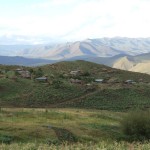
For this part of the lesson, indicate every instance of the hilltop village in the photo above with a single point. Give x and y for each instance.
(81, 77)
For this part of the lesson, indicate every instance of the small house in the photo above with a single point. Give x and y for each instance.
(141, 80)
(75, 72)
(19, 69)
(2, 76)
(130, 82)
(76, 81)
(25, 74)
(42, 79)
(99, 80)
(104, 69)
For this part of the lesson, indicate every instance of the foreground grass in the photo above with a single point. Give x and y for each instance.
(78, 146)
(58, 125)
(63, 129)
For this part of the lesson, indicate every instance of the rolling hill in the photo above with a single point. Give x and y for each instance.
(59, 91)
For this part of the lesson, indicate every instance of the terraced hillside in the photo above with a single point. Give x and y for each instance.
(64, 89)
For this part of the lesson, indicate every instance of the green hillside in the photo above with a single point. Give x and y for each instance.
(58, 91)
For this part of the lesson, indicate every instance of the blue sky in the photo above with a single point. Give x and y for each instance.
(75, 19)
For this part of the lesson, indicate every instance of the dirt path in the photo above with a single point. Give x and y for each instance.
(72, 100)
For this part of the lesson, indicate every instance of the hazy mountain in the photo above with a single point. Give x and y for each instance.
(103, 47)
(139, 63)
(7, 60)
(32, 51)
(109, 61)
(122, 53)
(142, 58)
(124, 63)
(141, 67)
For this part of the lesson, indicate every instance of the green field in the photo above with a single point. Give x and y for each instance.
(39, 124)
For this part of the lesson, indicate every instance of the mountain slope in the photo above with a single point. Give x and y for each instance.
(7, 60)
(80, 49)
(109, 61)
(142, 58)
(123, 64)
(141, 67)
(139, 63)
(103, 47)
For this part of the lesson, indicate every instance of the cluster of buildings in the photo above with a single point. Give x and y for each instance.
(73, 77)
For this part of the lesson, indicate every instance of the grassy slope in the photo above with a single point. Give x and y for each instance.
(23, 128)
(43, 125)
(116, 100)
(118, 96)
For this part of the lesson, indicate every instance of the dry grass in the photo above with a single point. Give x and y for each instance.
(104, 145)
(28, 125)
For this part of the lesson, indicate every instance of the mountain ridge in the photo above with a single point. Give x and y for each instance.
(139, 63)
(101, 47)
(22, 61)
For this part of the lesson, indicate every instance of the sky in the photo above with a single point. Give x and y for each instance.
(75, 19)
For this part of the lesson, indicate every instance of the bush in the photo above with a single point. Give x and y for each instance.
(136, 125)
(57, 84)
(86, 74)
(6, 139)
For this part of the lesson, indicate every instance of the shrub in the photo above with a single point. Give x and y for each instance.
(136, 125)
(57, 84)
(86, 73)
(6, 139)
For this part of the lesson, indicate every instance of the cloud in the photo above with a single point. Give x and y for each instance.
(79, 19)
(52, 3)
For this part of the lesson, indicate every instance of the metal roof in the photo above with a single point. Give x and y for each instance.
(99, 80)
(41, 78)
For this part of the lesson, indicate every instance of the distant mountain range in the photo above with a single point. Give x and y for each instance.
(131, 54)
(17, 60)
(103, 47)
